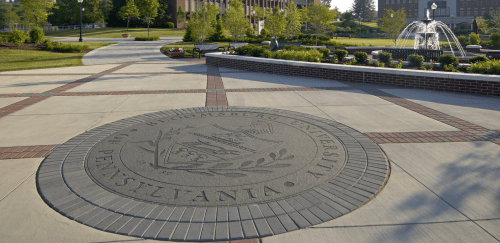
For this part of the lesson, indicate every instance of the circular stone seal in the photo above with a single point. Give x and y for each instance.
(212, 174)
(216, 158)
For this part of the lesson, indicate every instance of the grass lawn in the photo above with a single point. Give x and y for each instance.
(24, 59)
(116, 32)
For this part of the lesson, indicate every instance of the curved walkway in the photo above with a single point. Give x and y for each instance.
(125, 51)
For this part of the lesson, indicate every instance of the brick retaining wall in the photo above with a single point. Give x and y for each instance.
(439, 81)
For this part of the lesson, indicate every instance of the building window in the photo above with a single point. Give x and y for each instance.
(386, 1)
(409, 14)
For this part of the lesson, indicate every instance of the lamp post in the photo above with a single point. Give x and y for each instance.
(80, 1)
(433, 7)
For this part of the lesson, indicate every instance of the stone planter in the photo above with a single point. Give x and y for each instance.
(176, 54)
(125, 35)
(417, 79)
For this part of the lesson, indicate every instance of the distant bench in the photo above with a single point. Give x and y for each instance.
(206, 48)
(281, 45)
(233, 46)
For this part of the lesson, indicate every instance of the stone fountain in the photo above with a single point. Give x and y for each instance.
(427, 32)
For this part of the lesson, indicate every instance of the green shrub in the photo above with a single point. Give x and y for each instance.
(264, 33)
(187, 35)
(416, 60)
(145, 38)
(4, 37)
(488, 67)
(463, 40)
(361, 57)
(340, 54)
(385, 57)
(351, 62)
(400, 64)
(478, 59)
(246, 50)
(291, 48)
(379, 64)
(18, 37)
(249, 32)
(474, 38)
(59, 46)
(450, 68)
(325, 52)
(170, 25)
(218, 34)
(267, 53)
(495, 39)
(334, 59)
(36, 35)
(447, 59)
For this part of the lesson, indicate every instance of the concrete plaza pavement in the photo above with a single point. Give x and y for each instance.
(443, 148)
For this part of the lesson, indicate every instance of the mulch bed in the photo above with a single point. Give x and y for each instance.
(31, 47)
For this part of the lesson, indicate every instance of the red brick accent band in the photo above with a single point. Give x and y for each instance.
(401, 80)
(216, 95)
(4, 111)
(26, 152)
(426, 111)
(423, 137)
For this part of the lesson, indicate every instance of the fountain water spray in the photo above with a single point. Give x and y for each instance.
(427, 36)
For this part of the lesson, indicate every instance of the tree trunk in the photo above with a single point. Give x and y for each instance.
(128, 21)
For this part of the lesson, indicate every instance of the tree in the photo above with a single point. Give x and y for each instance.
(275, 21)
(393, 25)
(35, 11)
(148, 9)
(180, 16)
(319, 17)
(293, 19)
(105, 6)
(164, 14)
(364, 9)
(9, 17)
(327, 3)
(201, 21)
(129, 11)
(92, 13)
(235, 20)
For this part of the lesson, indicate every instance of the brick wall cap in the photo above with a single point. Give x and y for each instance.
(475, 76)
(422, 73)
(490, 51)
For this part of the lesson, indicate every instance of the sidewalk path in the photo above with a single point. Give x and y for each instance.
(444, 148)
(126, 50)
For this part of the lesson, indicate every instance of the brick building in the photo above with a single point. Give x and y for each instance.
(451, 12)
(192, 5)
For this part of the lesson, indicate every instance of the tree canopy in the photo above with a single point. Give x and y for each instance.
(235, 20)
(293, 19)
(319, 18)
(36, 11)
(129, 11)
(364, 9)
(201, 21)
(148, 9)
(393, 25)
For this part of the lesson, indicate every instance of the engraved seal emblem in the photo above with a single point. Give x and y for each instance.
(212, 174)
(216, 159)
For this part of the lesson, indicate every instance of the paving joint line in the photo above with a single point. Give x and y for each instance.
(400, 224)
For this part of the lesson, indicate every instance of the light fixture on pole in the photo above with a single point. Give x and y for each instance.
(433, 7)
(80, 1)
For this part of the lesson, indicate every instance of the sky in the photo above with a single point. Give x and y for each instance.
(344, 5)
